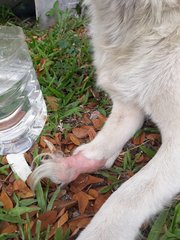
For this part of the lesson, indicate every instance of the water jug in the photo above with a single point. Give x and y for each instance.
(22, 107)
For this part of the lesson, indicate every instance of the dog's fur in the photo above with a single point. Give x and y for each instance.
(137, 57)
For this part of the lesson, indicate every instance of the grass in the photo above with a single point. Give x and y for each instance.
(62, 59)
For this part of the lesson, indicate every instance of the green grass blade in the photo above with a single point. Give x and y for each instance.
(156, 229)
(40, 198)
(38, 230)
(58, 234)
(53, 198)
(148, 151)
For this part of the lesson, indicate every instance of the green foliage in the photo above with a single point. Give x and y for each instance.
(62, 59)
(170, 220)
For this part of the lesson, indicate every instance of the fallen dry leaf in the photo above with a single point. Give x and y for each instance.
(10, 228)
(153, 136)
(97, 123)
(58, 138)
(93, 193)
(139, 140)
(142, 159)
(44, 139)
(5, 199)
(9, 189)
(98, 120)
(85, 119)
(81, 132)
(63, 219)
(4, 160)
(61, 213)
(79, 222)
(100, 201)
(70, 147)
(40, 66)
(60, 204)
(82, 200)
(50, 146)
(74, 139)
(52, 101)
(91, 132)
(46, 219)
(22, 189)
(83, 181)
(93, 180)
(60, 223)
(42, 142)
(29, 158)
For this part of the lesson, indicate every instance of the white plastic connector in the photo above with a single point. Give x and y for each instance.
(19, 165)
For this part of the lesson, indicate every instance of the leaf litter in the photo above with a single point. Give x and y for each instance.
(73, 207)
(54, 214)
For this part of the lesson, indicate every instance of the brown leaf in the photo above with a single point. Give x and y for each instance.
(44, 139)
(83, 201)
(50, 145)
(91, 132)
(42, 142)
(97, 123)
(100, 201)
(70, 147)
(139, 140)
(40, 66)
(29, 158)
(52, 101)
(93, 193)
(85, 119)
(83, 181)
(62, 212)
(80, 223)
(79, 183)
(92, 105)
(4, 160)
(142, 159)
(5, 199)
(102, 118)
(93, 180)
(130, 173)
(81, 132)
(60, 204)
(63, 219)
(47, 218)
(22, 189)
(153, 136)
(9, 189)
(60, 223)
(90, 197)
(10, 228)
(74, 139)
(58, 138)
(98, 120)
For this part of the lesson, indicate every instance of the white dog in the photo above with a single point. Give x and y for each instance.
(137, 57)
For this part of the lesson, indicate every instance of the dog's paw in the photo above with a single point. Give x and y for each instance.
(98, 152)
(63, 170)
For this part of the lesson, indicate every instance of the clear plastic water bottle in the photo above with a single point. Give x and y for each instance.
(44, 6)
(22, 107)
(68, 4)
